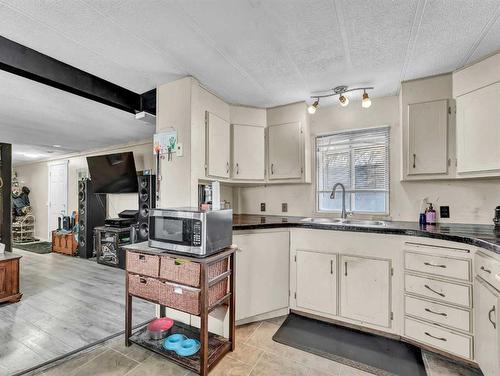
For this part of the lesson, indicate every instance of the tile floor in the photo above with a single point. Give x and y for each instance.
(67, 303)
(256, 355)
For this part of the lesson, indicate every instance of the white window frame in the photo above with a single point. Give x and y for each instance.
(317, 191)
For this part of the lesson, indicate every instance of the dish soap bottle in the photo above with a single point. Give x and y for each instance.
(430, 215)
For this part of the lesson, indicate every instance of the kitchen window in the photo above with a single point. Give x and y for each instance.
(359, 159)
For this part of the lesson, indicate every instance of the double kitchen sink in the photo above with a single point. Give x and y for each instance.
(347, 222)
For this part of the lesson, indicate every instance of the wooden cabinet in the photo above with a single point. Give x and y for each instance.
(262, 277)
(9, 278)
(248, 152)
(478, 132)
(218, 148)
(428, 138)
(487, 349)
(285, 151)
(316, 281)
(365, 290)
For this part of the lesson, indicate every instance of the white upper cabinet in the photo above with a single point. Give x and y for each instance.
(478, 132)
(428, 128)
(218, 146)
(365, 290)
(248, 152)
(428, 138)
(285, 145)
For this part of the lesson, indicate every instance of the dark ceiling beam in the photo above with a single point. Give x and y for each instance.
(23, 61)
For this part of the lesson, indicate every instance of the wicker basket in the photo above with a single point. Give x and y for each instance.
(188, 273)
(187, 299)
(144, 287)
(143, 264)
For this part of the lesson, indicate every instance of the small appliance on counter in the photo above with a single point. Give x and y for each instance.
(496, 220)
(191, 231)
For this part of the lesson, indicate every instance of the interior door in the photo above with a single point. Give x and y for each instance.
(285, 148)
(248, 152)
(58, 193)
(316, 281)
(486, 330)
(428, 138)
(218, 146)
(365, 292)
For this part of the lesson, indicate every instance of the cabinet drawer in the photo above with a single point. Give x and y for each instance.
(438, 265)
(144, 287)
(487, 268)
(143, 264)
(439, 290)
(438, 313)
(440, 338)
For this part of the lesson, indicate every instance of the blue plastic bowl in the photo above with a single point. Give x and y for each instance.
(174, 341)
(188, 347)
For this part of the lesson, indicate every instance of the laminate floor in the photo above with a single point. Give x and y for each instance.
(256, 354)
(67, 303)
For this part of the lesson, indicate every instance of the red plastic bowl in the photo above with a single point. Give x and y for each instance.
(160, 328)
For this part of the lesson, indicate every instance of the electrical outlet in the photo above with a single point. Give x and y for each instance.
(284, 207)
(262, 206)
(444, 211)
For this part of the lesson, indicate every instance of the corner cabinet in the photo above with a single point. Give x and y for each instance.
(248, 152)
(285, 151)
(218, 146)
(365, 290)
(487, 333)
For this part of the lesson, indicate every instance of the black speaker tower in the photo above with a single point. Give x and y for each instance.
(147, 201)
(91, 213)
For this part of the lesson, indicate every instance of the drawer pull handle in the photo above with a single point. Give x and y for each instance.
(434, 291)
(492, 310)
(142, 280)
(331, 266)
(485, 270)
(142, 257)
(434, 265)
(436, 313)
(439, 338)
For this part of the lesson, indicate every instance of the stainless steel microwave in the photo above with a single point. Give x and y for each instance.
(191, 230)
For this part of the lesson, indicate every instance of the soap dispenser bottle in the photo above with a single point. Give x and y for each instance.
(430, 215)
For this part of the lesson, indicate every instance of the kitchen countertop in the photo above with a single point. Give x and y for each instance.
(484, 236)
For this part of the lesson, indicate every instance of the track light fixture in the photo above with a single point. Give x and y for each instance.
(343, 99)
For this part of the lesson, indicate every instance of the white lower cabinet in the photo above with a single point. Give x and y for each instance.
(316, 281)
(486, 330)
(262, 276)
(365, 290)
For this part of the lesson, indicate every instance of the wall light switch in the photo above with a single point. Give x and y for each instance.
(284, 207)
(262, 206)
(179, 151)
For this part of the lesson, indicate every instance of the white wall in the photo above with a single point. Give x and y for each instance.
(470, 201)
(35, 176)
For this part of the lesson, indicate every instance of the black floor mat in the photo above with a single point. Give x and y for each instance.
(38, 247)
(365, 351)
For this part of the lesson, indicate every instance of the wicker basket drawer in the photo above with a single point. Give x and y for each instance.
(188, 273)
(143, 264)
(144, 287)
(187, 299)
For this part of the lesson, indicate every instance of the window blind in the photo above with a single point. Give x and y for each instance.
(358, 159)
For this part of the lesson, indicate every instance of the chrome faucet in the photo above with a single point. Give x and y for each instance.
(343, 214)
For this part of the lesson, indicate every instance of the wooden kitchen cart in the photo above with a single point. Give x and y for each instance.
(188, 284)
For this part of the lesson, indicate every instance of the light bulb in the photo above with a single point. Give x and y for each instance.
(344, 101)
(312, 108)
(366, 102)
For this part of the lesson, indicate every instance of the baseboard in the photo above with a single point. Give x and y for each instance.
(264, 316)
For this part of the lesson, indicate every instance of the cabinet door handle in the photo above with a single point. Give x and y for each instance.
(331, 266)
(414, 160)
(227, 167)
(434, 265)
(272, 168)
(345, 268)
(492, 310)
(485, 270)
(434, 291)
(439, 338)
(436, 313)
(237, 169)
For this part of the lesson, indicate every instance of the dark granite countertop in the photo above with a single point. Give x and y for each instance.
(484, 236)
